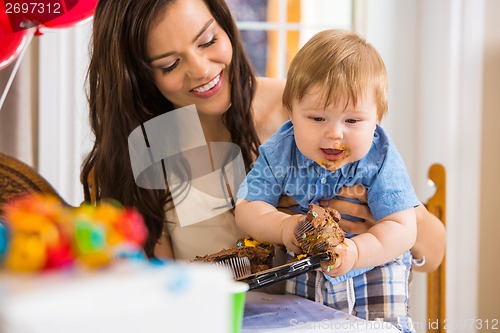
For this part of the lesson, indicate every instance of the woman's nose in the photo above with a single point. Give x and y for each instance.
(198, 67)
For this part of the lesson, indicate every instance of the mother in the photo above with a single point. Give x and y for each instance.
(150, 57)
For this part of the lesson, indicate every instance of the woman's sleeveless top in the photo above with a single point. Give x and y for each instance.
(203, 224)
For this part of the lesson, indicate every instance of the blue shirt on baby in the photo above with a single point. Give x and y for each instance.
(282, 170)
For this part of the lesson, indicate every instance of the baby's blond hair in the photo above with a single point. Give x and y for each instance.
(341, 64)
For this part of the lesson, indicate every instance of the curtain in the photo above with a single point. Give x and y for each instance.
(18, 115)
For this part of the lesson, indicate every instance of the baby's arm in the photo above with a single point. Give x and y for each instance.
(431, 233)
(387, 239)
(265, 223)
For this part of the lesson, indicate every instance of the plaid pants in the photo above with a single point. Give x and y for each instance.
(379, 294)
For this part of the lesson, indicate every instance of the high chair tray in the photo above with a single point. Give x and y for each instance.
(284, 272)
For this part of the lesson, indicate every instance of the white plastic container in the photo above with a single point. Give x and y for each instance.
(133, 298)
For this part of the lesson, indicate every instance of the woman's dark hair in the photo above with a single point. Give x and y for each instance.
(122, 95)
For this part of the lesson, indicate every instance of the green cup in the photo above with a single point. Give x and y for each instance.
(238, 291)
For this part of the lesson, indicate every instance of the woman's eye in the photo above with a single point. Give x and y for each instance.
(351, 121)
(209, 43)
(168, 69)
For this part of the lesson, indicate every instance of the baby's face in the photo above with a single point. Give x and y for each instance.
(335, 135)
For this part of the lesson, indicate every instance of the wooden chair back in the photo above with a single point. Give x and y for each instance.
(436, 281)
(17, 178)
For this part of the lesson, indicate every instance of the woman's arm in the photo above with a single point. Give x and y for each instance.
(431, 240)
(163, 249)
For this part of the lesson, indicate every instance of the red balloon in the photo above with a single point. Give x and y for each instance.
(83, 11)
(11, 43)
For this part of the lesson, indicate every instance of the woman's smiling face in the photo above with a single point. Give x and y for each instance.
(191, 57)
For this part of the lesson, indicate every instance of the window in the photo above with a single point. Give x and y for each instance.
(274, 30)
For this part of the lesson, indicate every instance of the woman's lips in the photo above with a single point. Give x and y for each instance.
(332, 154)
(210, 88)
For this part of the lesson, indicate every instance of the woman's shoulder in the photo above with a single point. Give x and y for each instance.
(271, 83)
(268, 111)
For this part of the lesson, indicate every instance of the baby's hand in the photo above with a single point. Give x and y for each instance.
(287, 236)
(347, 255)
